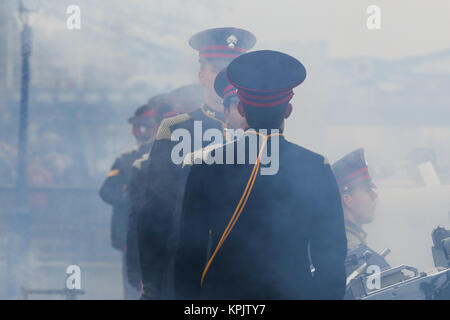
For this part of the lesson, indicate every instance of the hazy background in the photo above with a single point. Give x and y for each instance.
(385, 90)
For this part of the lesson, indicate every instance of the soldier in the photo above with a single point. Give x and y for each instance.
(114, 188)
(359, 201)
(180, 100)
(234, 120)
(248, 238)
(165, 180)
(228, 93)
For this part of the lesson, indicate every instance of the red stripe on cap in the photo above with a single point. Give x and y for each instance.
(363, 178)
(229, 93)
(264, 104)
(360, 179)
(228, 87)
(148, 113)
(266, 96)
(226, 48)
(353, 174)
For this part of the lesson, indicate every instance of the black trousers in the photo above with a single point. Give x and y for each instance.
(129, 292)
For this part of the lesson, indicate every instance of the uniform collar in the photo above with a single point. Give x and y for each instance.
(209, 112)
(355, 228)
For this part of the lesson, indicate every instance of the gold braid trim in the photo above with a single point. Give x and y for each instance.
(224, 124)
(164, 131)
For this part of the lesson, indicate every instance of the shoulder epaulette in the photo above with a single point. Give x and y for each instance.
(138, 162)
(164, 130)
(202, 154)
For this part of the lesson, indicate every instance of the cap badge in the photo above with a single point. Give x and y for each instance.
(231, 41)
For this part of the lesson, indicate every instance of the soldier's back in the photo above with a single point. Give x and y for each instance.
(265, 255)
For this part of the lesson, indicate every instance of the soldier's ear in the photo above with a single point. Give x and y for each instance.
(240, 108)
(288, 111)
(347, 200)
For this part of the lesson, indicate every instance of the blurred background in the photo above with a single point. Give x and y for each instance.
(386, 90)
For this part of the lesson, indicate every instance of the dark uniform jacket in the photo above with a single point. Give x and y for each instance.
(114, 192)
(159, 217)
(289, 216)
(136, 194)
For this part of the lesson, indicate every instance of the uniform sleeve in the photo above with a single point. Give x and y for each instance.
(136, 196)
(191, 254)
(155, 217)
(113, 190)
(328, 240)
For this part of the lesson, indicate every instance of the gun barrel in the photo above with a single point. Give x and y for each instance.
(385, 252)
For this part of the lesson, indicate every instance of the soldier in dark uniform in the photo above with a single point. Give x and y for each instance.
(247, 235)
(228, 93)
(359, 201)
(114, 188)
(165, 180)
(230, 101)
(180, 100)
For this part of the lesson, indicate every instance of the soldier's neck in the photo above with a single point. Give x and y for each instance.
(349, 217)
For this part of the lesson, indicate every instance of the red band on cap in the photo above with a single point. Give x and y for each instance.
(148, 113)
(353, 174)
(265, 104)
(229, 91)
(363, 178)
(265, 96)
(229, 87)
(360, 179)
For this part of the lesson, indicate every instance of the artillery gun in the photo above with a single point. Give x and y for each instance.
(403, 282)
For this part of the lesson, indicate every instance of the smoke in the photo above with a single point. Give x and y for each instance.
(386, 91)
